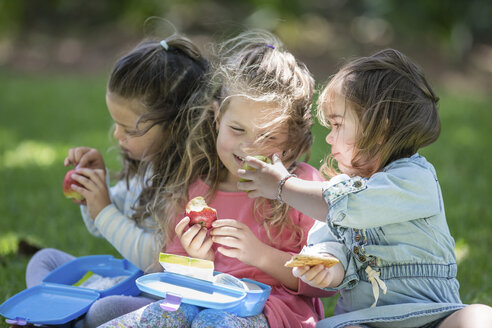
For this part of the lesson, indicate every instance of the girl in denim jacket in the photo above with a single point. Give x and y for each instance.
(384, 214)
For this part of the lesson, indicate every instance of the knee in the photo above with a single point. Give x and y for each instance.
(43, 254)
(40, 264)
(102, 310)
(474, 315)
(477, 315)
(211, 318)
(49, 258)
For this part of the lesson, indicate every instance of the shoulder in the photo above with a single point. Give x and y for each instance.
(415, 166)
(306, 172)
(413, 173)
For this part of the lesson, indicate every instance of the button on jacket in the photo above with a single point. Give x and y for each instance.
(390, 233)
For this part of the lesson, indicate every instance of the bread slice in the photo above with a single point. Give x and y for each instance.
(299, 260)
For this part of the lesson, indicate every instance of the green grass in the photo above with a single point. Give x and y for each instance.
(42, 116)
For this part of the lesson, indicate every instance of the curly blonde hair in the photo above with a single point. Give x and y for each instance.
(253, 65)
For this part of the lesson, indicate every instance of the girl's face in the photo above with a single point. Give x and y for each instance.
(343, 134)
(125, 113)
(238, 132)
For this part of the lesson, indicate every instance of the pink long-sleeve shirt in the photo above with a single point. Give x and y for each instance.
(284, 307)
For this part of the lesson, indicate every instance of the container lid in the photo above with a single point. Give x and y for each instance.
(103, 265)
(57, 301)
(48, 304)
(190, 290)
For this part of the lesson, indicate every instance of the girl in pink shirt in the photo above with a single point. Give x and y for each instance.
(263, 107)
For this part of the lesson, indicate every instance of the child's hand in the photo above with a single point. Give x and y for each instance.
(238, 239)
(264, 179)
(194, 240)
(94, 189)
(85, 157)
(319, 276)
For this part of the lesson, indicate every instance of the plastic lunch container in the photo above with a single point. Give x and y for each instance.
(56, 301)
(177, 289)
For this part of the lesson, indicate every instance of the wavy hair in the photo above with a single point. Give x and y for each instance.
(253, 65)
(395, 106)
(166, 83)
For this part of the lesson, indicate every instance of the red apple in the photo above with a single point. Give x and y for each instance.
(67, 187)
(199, 212)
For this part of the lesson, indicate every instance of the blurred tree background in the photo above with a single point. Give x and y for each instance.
(55, 56)
(451, 39)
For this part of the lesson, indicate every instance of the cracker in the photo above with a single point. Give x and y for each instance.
(299, 260)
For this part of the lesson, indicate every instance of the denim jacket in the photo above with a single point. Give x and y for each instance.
(390, 233)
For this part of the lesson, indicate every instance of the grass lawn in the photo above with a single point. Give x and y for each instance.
(41, 117)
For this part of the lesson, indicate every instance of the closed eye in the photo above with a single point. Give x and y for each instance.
(237, 129)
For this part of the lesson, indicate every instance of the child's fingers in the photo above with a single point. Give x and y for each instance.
(208, 243)
(227, 241)
(100, 175)
(188, 235)
(246, 186)
(253, 194)
(227, 222)
(224, 230)
(321, 280)
(77, 154)
(276, 159)
(313, 272)
(81, 202)
(91, 158)
(84, 160)
(70, 159)
(97, 176)
(181, 226)
(300, 271)
(198, 240)
(229, 252)
(245, 174)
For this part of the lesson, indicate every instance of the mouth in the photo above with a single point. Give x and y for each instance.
(239, 159)
(124, 150)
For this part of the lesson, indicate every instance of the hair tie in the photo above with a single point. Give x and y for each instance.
(164, 45)
(270, 46)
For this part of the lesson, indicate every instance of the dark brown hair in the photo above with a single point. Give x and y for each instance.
(394, 104)
(167, 83)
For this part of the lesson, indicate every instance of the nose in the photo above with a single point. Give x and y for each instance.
(246, 145)
(118, 132)
(329, 138)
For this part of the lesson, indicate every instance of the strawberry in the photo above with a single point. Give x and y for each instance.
(199, 212)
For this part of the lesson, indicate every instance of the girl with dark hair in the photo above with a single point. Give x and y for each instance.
(152, 93)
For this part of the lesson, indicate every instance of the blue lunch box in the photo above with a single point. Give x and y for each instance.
(56, 301)
(177, 289)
